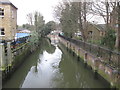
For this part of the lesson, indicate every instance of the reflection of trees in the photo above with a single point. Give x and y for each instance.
(44, 46)
(36, 70)
(47, 46)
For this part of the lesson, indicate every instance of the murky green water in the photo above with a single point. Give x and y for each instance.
(52, 67)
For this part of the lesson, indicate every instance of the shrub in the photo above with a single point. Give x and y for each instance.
(109, 39)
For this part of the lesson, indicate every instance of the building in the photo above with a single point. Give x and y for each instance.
(95, 32)
(8, 20)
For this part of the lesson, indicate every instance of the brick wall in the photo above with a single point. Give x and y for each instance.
(9, 21)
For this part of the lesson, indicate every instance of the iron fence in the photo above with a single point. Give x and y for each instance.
(109, 57)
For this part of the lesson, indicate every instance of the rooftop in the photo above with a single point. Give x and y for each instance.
(100, 27)
(7, 2)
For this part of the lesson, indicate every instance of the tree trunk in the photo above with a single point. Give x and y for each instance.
(107, 18)
(85, 21)
(118, 30)
(80, 22)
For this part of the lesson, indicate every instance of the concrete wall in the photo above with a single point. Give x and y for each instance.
(2, 57)
(95, 63)
(10, 59)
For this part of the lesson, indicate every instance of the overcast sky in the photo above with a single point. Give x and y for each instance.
(45, 7)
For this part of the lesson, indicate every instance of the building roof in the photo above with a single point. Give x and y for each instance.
(100, 27)
(7, 2)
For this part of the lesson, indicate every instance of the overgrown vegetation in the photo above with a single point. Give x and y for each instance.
(74, 16)
(109, 39)
(48, 27)
(34, 40)
(36, 24)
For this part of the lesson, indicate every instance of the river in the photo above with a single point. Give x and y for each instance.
(53, 67)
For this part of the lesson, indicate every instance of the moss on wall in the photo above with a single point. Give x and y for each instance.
(18, 59)
(89, 62)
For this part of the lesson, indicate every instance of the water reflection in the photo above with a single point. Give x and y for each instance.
(45, 72)
(49, 67)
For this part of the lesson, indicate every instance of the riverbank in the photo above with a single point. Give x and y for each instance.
(18, 57)
(93, 62)
(53, 67)
(79, 60)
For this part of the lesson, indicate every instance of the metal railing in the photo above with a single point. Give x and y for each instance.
(17, 46)
(108, 57)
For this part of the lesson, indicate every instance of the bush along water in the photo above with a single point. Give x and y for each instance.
(109, 39)
(34, 41)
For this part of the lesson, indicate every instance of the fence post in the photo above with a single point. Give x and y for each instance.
(78, 54)
(118, 62)
(2, 57)
(98, 52)
(85, 57)
(84, 45)
(67, 46)
(110, 53)
(73, 50)
(70, 47)
(90, 47)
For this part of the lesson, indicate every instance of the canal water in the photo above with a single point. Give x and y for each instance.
(53, 67)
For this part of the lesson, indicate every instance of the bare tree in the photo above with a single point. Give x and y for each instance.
(58, 10)
(30, 18)
(80, 21)
(73, 16)
(84, 8)
(103, 9)
(118, 30)
(107, 15)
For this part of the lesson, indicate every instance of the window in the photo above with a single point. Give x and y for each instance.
(2, 31)
(101, 33)
(90, 32)
(1, 12)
